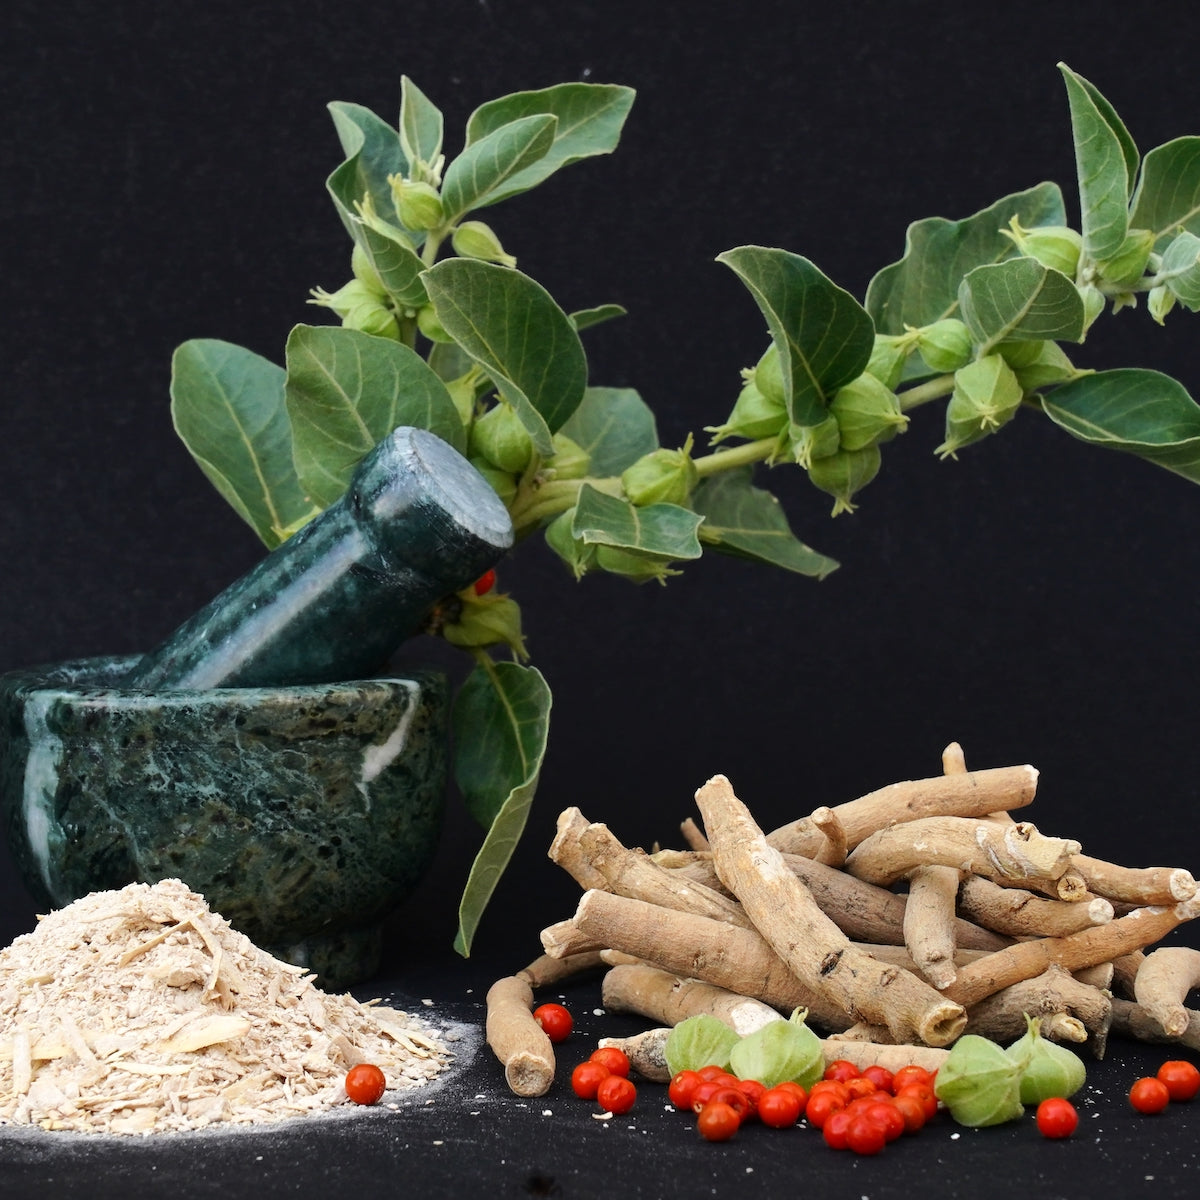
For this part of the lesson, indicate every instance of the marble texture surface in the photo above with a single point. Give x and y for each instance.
(303, 813)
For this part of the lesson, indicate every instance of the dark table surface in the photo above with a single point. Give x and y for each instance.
(468, 1135)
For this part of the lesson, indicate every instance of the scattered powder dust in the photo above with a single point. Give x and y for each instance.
(141, 1011)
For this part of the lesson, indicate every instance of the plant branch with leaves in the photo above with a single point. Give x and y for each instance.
(440, 330)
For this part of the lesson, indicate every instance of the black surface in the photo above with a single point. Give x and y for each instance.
(470, 1136)
(163, 176)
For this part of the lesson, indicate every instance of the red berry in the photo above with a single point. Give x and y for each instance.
(1182, 1079)
(1057, 1118)
(587, 1077)
(485, 583)
(617, 1061)
(365, 1083)
(555, 1021)
(616, 1094)
(717, 1122)
(1149, 1095)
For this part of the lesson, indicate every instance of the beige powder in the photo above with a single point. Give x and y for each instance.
(141, 1011)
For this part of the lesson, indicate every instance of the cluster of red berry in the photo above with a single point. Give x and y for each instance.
(1176, 1080)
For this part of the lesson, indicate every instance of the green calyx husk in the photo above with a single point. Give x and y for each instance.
(697, 1042)
(945, 345)
(986, 396)
(499, 437)
(569, 460)
(780, 1051)
(661, 477)
(576, 553)
(980, 1083)
(867, 413)
(488, 620)
(845, 473)
(638, 568)
(767, 376)
(812, 442)
(755, 415)
(1054, 246)
(1049, 1069)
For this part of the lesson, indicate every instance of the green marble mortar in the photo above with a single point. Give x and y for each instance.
(303, 813)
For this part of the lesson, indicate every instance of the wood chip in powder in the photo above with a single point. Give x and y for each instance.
(141, 1011)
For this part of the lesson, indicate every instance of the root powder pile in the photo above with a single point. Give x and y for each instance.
(141, 1011)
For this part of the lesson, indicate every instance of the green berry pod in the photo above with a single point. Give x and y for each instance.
(1051, 366)
(372, 317)
(867, 413)
(661, 477)
(1128, 265)
(487, 620)
(768, 376)
(1159, 302)
(1048, 1069)
(348, 297)
(755, 415)
(1094, 301)
(812, 442)
(1019, 353)
(845, 473)
(499, 437)
(503, 483)
(986, 396)
(569, 460)
(699, 1041)
(945, 345)
(888, 355)
(1055, 246)
(979, 1083)
(462, 392)
(778, 1052)
(365, 273)
(639, 568)
(418, 205)
(474, 239)
(430, 326)
(577, 554)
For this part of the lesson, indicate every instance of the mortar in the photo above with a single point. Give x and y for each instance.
(248, 754)
(304, 814)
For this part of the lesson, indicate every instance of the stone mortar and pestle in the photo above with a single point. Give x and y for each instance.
(259, 754)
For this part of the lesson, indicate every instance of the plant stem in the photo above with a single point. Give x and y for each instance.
(923, 393)
(735, 456)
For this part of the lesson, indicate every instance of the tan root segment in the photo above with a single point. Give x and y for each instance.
(814, 949)
(1162, 983)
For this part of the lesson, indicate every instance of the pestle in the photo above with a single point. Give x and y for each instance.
(417, 523)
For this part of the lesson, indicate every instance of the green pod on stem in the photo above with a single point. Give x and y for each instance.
(499, 437)
(812, 442)
(661, 477)
(474, 239)
(638, 568)
(768, 376)
(979, 1083)
(845, 473)
(487, 620)
(888, 355)
(1048, 1068)
(867, 413)
(1054, 246)
(755, 415)
(945, 345)
(577, 554)
(986, 396)
(569, 460)
(1128, 265)
(778, 1052)
(418, 204)
(699, 1041)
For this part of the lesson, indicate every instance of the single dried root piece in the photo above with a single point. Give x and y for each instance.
(545, 971)
(1022, 914)
(668, 998)
(833, 849)
(1100, 976)
(634, 874)
(694, 947)
(1162, 983)
(566, 851)
(1079, 1011)
(517, 1039)
(862, 911)
(815, 950)
(1135, 885)
(1101, 943)
(693, 835)
(1018, 851)
(1131, 1020)
(1125, 968)
(877, 1054)
(929, 922)
(973, 794)
(647, 1053)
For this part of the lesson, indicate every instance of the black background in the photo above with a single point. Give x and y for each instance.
(163, 172)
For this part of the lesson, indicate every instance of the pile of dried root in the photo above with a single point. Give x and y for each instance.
(140, 1011)
(998, 921)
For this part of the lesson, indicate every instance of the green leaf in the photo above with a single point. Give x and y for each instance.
(1020, 299)
(1168, 194)
(922, 287)
(420, 124)
(345, 391)
(512, 327)
(1182, 256)
(398, 266)
(585, 318)
(501, 720)
(615, 426)
(748, 522)
(1106, 162)
(590, 117)
(823, 335)
(661, 530)
(1142, 412)
(373, 152)
(228, 407)
(483, 168)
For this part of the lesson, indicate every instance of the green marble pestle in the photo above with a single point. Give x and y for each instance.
(332, 603)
